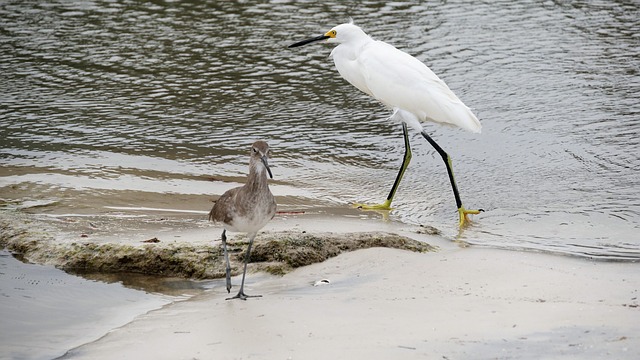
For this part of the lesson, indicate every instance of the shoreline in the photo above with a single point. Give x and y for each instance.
(387, 303)
(458, 301)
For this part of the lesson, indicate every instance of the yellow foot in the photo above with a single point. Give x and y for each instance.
(464, 219)
(384, 206)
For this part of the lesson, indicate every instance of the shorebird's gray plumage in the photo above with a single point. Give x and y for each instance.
(247, 208)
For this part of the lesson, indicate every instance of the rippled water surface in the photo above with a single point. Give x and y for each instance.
(114, 102)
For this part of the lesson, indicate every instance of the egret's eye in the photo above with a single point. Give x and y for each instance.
(333, 33)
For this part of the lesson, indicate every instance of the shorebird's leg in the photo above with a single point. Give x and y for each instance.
(463, 213)
(386, 205)
(241, 294)
(226, 259)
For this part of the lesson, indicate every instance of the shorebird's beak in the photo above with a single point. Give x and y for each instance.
(308, 41)
(266, 164)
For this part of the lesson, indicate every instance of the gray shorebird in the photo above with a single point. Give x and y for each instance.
(246, 209)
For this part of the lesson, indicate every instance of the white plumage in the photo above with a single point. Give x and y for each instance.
(405, 85)
(397, 79)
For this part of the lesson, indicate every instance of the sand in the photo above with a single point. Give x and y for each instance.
(455, 303)
(452, 301)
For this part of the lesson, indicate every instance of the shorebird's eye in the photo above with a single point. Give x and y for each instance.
(255, 150)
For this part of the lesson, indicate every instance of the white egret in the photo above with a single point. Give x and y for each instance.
(404, 84)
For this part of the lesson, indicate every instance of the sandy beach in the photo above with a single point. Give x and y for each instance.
(420, 295)
(383, 303)
(454, 303)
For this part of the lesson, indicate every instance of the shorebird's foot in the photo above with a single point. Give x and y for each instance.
(242, 296)
(384, 206)
(228, 275)
(464, 215)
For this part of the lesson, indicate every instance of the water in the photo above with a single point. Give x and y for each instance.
(46, 312)
(154, 104)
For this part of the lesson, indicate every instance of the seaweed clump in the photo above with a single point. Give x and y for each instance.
(275, 253)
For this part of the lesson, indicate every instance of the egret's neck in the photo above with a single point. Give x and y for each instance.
(350, 49)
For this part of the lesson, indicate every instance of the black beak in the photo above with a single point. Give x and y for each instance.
(305, 42)
(266, 164)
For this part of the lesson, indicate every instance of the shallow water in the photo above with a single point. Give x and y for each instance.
(45, 311)
(154, 104)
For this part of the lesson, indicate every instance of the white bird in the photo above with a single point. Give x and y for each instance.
(404, 84)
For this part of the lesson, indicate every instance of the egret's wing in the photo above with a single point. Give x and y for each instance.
(397, 79)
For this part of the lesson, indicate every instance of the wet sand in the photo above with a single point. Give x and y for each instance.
(388, 303)
(453, 301)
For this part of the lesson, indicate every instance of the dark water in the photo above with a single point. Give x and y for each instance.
(115, 102)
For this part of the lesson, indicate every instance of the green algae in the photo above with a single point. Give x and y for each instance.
(273, 252)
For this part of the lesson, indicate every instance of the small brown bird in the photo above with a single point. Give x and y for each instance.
(247, 208)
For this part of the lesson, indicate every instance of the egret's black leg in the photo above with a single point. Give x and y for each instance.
(447, 160)
(405, 163)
